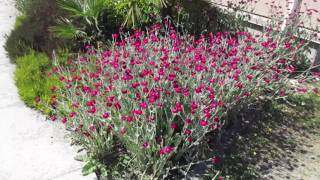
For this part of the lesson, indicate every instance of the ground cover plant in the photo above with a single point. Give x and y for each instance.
(144, 107)
(32, 81)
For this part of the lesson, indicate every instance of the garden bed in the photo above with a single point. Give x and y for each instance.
(153, 90)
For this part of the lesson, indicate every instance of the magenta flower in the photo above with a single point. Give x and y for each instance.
(53, 118)
(194, 106)
(143, 105)
(72, 114)
(92, 110)
(145, 145)
(174, 125)
(166, 150)
(216, 160)
(106, 115)
(64, 120)
(203, 123)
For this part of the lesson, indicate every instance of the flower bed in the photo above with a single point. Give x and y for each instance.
(144, 107)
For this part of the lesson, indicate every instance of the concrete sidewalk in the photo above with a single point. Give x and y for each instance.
(31, 148)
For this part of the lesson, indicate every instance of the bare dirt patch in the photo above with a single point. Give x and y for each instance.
(274, 141)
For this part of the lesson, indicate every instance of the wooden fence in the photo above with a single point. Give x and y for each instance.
(262, 11)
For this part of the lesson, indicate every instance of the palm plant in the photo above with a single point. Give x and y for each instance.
(83, 19)
(95, 20)
(89, 20)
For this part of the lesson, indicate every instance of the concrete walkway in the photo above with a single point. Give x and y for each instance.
(31, 148)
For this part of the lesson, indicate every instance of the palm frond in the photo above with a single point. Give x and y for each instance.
(74, 7)
(95, 7)
(67, 31)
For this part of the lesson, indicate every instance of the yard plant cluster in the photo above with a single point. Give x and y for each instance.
(145, 103)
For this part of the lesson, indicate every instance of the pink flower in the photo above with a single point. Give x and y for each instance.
(250, 76)
(189, 139)
(117, 105)
(216, 119)
(174, 125)
(123, 130)
(199, 68)
(194, 106)
(143, 105)
(72, 114)
(64, 120)
(115, 36)
(188, 121)
(185, 92)
(106, 115)
(216, 160)
(94, 92)
(92, 110)
(135, 85)
(203, 123)
(145, 145)
(137, 112)
(177, 108)
(91, 102)
(61, 78)
(86, 89)
(171, 77)
(166, 150)
(173, 35)
(92, 127)
(53, 88)
(53, 118)
(187, 132)
(315, 90)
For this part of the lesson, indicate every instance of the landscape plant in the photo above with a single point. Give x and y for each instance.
(94, 21)
(147, 104)
(31, 31)
(144, 107)
(32, 81)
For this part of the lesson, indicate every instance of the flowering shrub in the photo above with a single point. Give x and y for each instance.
(143, 107)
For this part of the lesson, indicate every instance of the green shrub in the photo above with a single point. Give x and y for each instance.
(16, 45)
(23, 5)
(32, 80)
(19, 21)
(88, 21)
(95, 21)
(31, 31)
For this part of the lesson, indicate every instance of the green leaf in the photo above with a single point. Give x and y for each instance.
(72, 6)
(67, 31)
(83, 8)
(89, 168)
(104, 172)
